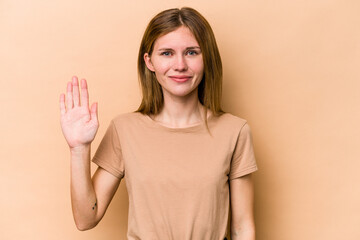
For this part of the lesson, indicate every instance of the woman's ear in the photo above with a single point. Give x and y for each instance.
(148, 62)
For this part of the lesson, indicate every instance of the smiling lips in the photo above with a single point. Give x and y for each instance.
(180, 78)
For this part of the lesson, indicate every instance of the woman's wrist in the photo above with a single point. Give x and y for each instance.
(81, 149)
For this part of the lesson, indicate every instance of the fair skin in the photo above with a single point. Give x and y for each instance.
(79, 124)
(242, 204)
(178, 65)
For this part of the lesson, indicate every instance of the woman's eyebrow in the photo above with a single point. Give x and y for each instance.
(170, 49)
(165, 49)
(194, 47)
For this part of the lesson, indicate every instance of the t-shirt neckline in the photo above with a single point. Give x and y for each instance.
(200, 125)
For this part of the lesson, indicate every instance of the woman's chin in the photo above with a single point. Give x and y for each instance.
(181, 93)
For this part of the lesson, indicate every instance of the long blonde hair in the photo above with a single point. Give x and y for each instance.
(210, 87)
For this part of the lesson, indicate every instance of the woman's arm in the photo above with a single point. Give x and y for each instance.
(242, 204)
(89, 197)
(79, 123)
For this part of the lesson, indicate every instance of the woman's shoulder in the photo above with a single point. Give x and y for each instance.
(231, 124)
(127, 117)
(232, 120)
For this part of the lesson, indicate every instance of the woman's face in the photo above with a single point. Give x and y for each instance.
(177, 62)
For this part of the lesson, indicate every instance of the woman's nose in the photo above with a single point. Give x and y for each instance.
(180, 64)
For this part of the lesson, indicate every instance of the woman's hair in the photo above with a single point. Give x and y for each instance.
(210, 87)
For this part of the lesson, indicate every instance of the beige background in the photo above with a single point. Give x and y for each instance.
(291, 69)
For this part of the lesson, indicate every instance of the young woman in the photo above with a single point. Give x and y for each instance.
(185, 161)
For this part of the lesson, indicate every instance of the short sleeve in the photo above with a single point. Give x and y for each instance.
(108, 155)
(243, 159)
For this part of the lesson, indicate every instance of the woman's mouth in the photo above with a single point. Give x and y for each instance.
(180, 78)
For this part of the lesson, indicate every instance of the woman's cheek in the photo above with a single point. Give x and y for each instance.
(165, 66)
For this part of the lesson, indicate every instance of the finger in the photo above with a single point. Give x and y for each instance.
(62, 104)
(69, 97)
(84, 94)
(94, 112)
(76, 94)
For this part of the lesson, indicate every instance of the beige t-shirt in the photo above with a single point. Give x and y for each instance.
(177, 178)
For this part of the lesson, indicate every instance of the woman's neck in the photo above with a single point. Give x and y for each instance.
(179, 112)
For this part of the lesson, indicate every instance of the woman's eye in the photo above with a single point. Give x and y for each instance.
(166, 53)
(192, 53)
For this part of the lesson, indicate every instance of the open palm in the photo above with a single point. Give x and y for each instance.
(79, 123)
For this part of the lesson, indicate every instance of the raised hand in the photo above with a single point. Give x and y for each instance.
(79, 124)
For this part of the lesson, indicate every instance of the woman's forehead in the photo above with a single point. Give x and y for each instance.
(182, 37)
